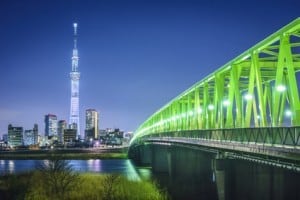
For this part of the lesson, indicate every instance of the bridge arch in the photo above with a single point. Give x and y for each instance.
(259, 88)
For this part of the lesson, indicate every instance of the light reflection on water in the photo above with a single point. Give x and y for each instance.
(7, 166)
(120, 166)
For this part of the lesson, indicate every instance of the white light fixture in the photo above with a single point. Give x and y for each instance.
(199, 110)
(226, 102)
(288, 113)
(281, 88)
(248, 96)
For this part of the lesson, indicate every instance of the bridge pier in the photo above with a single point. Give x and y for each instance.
(161, 161)
(220, 166)
(145, 154)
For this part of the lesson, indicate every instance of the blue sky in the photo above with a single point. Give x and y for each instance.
(135, 56)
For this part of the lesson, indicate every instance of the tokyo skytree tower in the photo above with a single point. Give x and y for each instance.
(75, 76)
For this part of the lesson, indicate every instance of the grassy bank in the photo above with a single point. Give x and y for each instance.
(90, 186)
(82, 154)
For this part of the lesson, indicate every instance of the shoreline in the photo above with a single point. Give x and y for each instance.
(74, 154)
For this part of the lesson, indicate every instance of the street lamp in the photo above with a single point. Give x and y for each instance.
(247, 97)
(199, 110)
(226, 103)
(210, 107)
(91, 142)
(288, 114)
(281, 88)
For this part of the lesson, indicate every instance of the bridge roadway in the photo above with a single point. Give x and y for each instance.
(275, 146)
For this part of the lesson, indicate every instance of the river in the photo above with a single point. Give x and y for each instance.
(242, 180)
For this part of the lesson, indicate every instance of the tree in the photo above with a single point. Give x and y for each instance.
(58, 177)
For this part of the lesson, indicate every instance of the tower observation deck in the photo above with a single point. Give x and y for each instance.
(75, 76)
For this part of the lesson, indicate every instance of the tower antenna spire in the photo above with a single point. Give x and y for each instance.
(75, 35)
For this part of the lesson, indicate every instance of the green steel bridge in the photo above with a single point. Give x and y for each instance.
(250, 104)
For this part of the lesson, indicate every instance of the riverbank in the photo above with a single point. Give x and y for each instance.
(74, 154)
(35, 185)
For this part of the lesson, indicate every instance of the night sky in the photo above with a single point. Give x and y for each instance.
(135, 56)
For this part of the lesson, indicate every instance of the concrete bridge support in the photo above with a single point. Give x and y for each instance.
(145, 154)
(178, 161)
(219, 167)
(161, 161)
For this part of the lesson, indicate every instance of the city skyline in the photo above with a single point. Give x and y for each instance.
(135, 56)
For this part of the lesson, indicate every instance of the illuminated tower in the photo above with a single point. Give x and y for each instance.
(75, 76)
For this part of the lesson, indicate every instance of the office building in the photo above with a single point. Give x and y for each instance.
(15, 136)
(91, 124)
(69, 136)
(31, 136)
(62, 125)
(50, 125)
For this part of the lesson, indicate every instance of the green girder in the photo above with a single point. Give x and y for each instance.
(253, 90)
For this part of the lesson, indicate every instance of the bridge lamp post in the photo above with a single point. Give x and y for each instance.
(210, 107)
(258, 119)
(281, 88)
(288, 114)
(199, 110)
(226, 103)
(247, 97)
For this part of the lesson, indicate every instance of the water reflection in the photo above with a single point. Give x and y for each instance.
(7, 166)
(144, 173)
(94, 165)
(121, 166)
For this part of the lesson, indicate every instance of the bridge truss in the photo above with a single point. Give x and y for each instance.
(259, 88)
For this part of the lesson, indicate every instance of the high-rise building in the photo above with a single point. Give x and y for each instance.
(91, 124)
(50, 125)
(69, 136)
(30, 137)
(62, 125)
(15, 136)
(75, 76)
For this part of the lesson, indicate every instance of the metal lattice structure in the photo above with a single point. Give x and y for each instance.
(259, 88)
